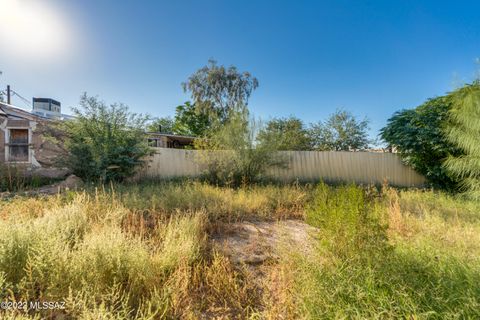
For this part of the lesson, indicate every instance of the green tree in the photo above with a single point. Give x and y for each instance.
(219, 91)
(163, 124)
(190, 121)
(463, 130)
(286, 133)
(232, 155)
(418, 136)
(105, 143)
(341, 132)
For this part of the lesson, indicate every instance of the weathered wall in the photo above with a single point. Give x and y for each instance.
(47, 145)
(359, 167)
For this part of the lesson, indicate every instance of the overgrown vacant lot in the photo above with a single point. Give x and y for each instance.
(145, 252)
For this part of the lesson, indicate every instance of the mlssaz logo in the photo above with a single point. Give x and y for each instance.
(46, 305)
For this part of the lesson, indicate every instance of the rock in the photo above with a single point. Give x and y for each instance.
(50, 173)
(72, 182)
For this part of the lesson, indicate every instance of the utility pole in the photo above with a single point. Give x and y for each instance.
(8, 94)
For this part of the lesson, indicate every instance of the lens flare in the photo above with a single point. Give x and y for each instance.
(34, 31)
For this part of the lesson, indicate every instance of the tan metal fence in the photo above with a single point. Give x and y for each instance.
(359, 167)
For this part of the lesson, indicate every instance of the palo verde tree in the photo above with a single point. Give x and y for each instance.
(463, 131)
(340, 132)
(104, 143)
(219, 91)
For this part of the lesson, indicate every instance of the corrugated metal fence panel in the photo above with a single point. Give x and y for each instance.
(170, 163)
(359, 167)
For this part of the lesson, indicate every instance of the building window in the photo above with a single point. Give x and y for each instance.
(18, 145)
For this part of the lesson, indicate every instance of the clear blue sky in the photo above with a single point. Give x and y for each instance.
(311, 57)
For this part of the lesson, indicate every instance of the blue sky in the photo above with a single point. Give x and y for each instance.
(311, 57)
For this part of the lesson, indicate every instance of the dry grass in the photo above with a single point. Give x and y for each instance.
(142, 252)
(448, 224)
(408, 254)
(133, 252)
(221, 203)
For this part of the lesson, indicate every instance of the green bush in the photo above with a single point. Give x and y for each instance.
(105, 143)
(418, 135)
(232, 155)
(350, 218)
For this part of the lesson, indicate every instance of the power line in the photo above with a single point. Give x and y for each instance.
(24, 99)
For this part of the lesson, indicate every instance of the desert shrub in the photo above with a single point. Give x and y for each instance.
(104, 143)
(232, 155)
(351, 218)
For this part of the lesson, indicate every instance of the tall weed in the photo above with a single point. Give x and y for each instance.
(369, 269)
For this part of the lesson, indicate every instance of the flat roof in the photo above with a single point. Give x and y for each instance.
(171, 135)
(50, 100)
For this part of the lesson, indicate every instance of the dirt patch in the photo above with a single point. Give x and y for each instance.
(253, 243)
(256, 249)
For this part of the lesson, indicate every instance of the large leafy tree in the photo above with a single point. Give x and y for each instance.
(286, 134)
(219, 91)
(418, 135)
(162, 124)
(105, 143)
(190, 121)
(463, 131)
(340, 132)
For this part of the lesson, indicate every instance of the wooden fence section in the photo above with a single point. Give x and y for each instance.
(359, 167)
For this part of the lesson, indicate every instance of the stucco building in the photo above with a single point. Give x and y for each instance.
(23, 139)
